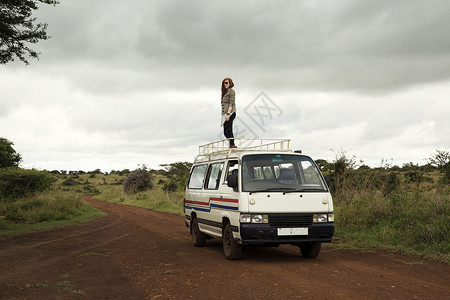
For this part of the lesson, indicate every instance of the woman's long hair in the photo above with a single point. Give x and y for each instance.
(224, 89)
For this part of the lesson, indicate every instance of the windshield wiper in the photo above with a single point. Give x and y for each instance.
(277, 189)
(287, 190)
(305, 190)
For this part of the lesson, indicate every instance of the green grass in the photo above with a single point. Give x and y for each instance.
(68, 288)
(44, 211)
(411, 220)
(155, 199)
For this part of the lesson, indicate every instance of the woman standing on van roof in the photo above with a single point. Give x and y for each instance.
(228, 109)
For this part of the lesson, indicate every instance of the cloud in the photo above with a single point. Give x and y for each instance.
(350, 45)
(125, 83)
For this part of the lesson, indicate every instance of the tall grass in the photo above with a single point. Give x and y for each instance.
(44, 210)
(413, 219)
(155, 199)
(406, 210)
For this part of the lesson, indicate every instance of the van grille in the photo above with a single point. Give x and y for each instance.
(290, 220)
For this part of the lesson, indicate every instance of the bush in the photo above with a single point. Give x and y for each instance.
(139, 180)
(391, 183)
(16, 183)
(70, 181)
(171, 186)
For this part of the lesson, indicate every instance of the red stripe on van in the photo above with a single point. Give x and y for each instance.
(212, 199)
(224, 200)
(197, 202)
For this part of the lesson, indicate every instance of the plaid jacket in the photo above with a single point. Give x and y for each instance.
(229, 100)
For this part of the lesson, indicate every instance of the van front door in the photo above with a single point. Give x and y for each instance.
(229, 197)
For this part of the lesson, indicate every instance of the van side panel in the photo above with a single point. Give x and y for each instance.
(213, 206)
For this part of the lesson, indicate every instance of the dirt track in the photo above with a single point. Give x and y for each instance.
(135, 253)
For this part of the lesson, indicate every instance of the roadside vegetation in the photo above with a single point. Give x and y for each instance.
(33, 200)
(400, 209)
(161, 190)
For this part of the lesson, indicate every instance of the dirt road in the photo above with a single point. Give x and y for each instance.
(135, 253)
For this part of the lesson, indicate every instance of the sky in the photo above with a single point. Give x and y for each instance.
(126, 83)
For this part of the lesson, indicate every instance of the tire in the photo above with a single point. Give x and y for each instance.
(231, 248)
(198, 238)
(310, 249)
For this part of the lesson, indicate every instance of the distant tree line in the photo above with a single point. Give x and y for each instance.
(344, 174)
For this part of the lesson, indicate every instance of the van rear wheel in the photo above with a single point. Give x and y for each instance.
(198, 237)
(310, 249)
(231, 248)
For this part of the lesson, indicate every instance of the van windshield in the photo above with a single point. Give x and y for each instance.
(280, 173)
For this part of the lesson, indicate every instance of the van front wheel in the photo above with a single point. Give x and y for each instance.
(231, 248)
(310, 249)
(198, 237)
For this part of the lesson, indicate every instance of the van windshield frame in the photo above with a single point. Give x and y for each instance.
(284, 173)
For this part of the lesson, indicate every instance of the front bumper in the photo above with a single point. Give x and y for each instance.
(265, 234)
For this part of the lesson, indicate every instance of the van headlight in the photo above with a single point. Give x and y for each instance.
(323, 218)
(246, 218)
(254, 218)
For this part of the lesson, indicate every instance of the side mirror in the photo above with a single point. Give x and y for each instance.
(232, 181)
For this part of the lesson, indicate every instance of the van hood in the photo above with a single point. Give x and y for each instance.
(289, 202)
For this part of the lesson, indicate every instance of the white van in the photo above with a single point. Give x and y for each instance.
(258, 195)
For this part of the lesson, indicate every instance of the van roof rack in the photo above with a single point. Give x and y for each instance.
(222, 146)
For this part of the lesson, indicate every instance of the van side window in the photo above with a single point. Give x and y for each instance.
(233, 168)
(214, 173)
(197, 177)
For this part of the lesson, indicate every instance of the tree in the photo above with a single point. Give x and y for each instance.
(8, 156)
(322, 164)
(17, 27)
(442, 160)
(177, 170)
(340, 169)
(178, 174)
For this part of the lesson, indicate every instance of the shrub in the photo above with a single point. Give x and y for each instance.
(118, 182)
(139, 180)
(171, 186)
(391, 183)
(16, 182)
(70, 181)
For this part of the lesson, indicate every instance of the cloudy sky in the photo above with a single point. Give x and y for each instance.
(122, 83)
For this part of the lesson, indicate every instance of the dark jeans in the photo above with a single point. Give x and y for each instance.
(228, 129)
